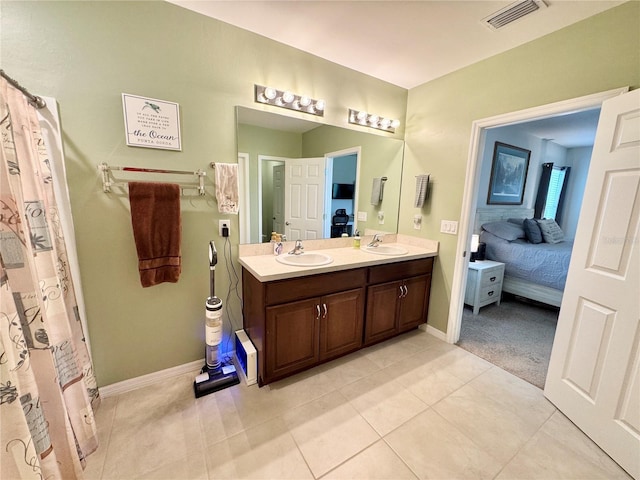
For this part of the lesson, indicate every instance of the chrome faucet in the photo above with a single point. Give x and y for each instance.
(377, 238)
(297, 250)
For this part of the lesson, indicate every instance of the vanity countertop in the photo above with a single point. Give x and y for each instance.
(265, 268)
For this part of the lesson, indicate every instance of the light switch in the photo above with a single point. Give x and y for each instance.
(362, 216)
(449, 226)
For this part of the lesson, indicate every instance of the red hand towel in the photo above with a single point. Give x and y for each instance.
(157, 230)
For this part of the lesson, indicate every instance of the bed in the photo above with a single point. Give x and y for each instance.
(534, 271)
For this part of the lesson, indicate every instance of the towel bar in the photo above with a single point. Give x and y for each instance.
(107, 183)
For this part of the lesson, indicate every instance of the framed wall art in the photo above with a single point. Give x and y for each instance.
(508, 175)
(151, 123)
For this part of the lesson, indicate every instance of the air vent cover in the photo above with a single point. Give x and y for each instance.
(513, 12)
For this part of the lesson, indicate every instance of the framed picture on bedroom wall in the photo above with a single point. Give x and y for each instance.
(508, 175)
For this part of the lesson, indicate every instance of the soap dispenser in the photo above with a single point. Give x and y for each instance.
(356, 240)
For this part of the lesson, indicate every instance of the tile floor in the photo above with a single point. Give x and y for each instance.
(411, 408)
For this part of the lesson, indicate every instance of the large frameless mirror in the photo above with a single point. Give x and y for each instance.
(309, 180)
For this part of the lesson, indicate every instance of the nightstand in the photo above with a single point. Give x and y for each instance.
(484, 284)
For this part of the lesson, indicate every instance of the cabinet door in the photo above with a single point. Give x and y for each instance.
(341, 323)
(291, 338)
(382, 309)
(414, 303)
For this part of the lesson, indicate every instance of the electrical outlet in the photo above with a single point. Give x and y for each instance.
(417, 221)
(222, 224)
(380, 218)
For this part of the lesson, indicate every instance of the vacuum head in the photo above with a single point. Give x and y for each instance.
(210, 381)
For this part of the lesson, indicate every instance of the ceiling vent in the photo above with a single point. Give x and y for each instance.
(513, 12)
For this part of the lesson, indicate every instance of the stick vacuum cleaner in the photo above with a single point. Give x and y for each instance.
(214, 375)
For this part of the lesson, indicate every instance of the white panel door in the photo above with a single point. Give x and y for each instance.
(278, 200)
(594, 371)
(304, 199)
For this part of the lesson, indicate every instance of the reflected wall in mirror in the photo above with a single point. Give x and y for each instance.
(309, 180)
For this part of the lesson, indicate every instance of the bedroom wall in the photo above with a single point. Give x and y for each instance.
(597, 54)
(542, 151)
(578, 159)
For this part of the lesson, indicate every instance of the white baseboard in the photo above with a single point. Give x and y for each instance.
(439, 334)
(151, 378)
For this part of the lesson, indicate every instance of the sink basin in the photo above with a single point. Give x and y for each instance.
(306, 259)
(386, 250)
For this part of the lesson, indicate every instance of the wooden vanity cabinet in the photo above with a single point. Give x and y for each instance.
(302, 334)
(297, 323)
(397, 298)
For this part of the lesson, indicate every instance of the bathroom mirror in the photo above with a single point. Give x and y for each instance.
(350, 160)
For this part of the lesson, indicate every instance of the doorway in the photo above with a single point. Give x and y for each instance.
(471, 189)
(517, 334)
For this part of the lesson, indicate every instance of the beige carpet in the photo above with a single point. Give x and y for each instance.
(516, 336)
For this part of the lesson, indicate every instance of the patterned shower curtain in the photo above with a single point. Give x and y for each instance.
(47, 387)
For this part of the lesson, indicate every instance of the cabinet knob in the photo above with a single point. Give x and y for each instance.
(490, 293)
(493, 279)
(317, 312)
(324, 310)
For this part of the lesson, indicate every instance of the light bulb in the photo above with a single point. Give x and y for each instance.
(361, 116)
(270, 93)
(395, 123)
(305, 101)
(320, 105)
(373, 119)
(288, 97)
(385, 123)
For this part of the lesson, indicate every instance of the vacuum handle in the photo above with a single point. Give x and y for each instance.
(213, 255)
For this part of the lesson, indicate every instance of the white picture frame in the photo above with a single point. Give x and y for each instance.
(151, 123)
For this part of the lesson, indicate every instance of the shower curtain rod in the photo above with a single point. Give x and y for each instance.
(34, 100)
(107, 183)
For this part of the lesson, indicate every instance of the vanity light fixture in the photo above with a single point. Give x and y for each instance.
(360, 117)
(286, 99)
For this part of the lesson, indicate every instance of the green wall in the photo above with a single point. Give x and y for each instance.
(597, 54)
(86, 54)
(256, 141)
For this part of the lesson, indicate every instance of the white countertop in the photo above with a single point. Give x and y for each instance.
(265, 267)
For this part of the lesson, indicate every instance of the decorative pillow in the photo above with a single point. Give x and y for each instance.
(517, 221)
(551, 231)
(532, 230)
(507, 231)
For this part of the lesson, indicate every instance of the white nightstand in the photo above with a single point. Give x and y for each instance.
(484, 284)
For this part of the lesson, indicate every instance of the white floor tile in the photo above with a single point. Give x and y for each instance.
(412, 407)
(434, 448)
(378, 462)
(329, 431)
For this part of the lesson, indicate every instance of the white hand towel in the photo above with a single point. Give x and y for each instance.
(422, 183)
(376, 191)
(227, 187)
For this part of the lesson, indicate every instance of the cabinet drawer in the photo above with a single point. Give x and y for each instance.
(401, 270)
(490, 293)
(282, 291)
(492, 276)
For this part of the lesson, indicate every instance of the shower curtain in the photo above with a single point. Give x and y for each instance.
(47, 387)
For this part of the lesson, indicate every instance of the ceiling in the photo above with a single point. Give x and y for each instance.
(406, 43)
(569, 131)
